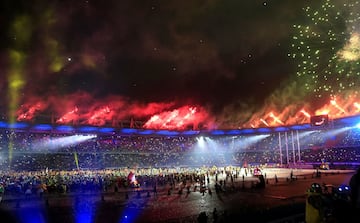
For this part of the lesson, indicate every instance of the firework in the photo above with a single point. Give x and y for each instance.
(326, 48)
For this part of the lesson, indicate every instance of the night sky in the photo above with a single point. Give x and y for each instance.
(226, 57)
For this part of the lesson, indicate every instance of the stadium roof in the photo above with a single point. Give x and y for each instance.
(350, 121)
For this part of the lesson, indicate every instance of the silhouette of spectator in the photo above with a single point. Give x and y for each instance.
(225, 216)
(155, 190)
(138, 195)
(28, 192)
(2, 189)
(355, 190)
(215, 215)
(202, 218)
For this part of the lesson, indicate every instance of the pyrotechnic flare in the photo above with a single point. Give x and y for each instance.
(357, 105)
(276, 119)
(68, 117)
(305, 113)
(263, 121)
(176, 119)
(333, 102)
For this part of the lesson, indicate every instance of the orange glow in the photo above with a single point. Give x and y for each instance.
(263, 121)
(165, 116)
(324, 111)
(357, 106)
(28, 111)
(100, 116)
(180, 118)
(305, 113)
(333, 102)
(337, 107)
(68, 117)
(276, 119)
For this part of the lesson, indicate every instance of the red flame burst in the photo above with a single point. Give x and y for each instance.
(83, 109)
(28, 111)
(181, 118)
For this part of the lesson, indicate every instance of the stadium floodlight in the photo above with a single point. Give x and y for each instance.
(333, 132)
(357, 125)
(248, 141)
(305, 134)
(60, 142)
(201, 142)
(213, 145)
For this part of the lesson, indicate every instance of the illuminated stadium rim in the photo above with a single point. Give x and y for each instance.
(22, 126)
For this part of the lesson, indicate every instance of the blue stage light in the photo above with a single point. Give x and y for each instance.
(299, 127)
(281, 129)
(217, 132)
(42, 127)
(167, 133)
(106, 130)
(248, 131)
(87, 129)
(83, 211)
(31, 215)
(233, 132)
(190, 132)
(128, 131)
(3, 125)
(263, 130)
(65, 128)
(146, 132)
(18, 125)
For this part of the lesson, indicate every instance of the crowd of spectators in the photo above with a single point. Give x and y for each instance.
(34, 163)
(29, 150)
(111, 180)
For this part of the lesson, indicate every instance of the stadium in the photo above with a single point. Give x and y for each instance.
(37, 147)
(48, 160)
(233, 107)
